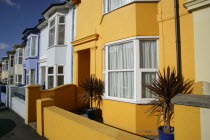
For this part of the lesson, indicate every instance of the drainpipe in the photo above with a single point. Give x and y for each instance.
(72, 48)
(39, 32)
(177, 32)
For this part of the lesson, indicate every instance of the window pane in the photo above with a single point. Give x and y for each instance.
(50, 70)
(61, 19)
(33, 76)
(121, 85)
(33, 46)
(52, 23)
(29, 47)
(60, 80)
(147, 78)
(27, 79)
(114, 4)
(121, 56)
(61, 34)
(148, 54)
(20, 52)
(20, 60)
(50, 82)
(27, 71)
(52, 36)
(12, 61)
(60, 69)
(20, 78)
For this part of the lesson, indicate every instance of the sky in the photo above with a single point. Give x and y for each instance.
(15, 17)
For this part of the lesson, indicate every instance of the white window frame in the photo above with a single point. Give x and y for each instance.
(6, 65)
(36, 47)
(53, 75)
(29, 74)
(17, 82)
(17, 56)
(10, 61)
(106, 8)
(56, 18)
(59, 74)
(137, 70)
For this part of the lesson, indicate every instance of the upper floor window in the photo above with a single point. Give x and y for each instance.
(19, 56)
(11, 61)
(32, 46)
(129, 65)
(5, 65)
(57, 31)
(111, 5)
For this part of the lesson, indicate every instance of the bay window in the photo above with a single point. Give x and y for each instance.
(50, 77)
(129, 65)
(30, 76)
(11, 61)
(18, 79)
(5, 65)
(60, 76)
(57, 31)
(110, 5)
(32, 46)
(19, 56)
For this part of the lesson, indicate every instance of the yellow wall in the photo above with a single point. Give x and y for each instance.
(167, 41)
(93, 30)
(64, 96)
(187, 123)
(5, 73)
(63, 125)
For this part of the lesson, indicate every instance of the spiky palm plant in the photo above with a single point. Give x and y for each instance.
(92, 91)
(165, 87)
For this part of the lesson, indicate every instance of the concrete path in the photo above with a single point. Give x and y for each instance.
(12, 127)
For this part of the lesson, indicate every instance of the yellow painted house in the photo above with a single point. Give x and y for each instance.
(110, 43)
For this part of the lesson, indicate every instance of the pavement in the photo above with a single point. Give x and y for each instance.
(13, 127)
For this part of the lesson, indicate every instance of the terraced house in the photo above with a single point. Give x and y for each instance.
(31, 71)
(19, 58)
(11, 67)
(119, 44)
(5, 74)
(55, 55)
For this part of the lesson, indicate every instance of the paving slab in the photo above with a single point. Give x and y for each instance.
(12, 127)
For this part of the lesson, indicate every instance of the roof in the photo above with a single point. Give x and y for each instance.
(52, 5)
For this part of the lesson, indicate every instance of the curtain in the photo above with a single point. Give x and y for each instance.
(148, 60)
(147, 79)
(121, 83)
(148, 54)
(114, 4)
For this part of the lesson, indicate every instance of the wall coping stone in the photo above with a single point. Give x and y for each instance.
(202, 101)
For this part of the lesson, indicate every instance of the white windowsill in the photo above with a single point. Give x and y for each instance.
(133, 1)
(142, 101)
(57, 46)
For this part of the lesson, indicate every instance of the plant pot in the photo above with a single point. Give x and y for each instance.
(165, 136)
(92, 113)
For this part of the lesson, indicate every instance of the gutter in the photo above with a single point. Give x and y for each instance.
(178, 39)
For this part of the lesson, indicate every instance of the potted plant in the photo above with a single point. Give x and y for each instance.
(165, 87)
(92, 92)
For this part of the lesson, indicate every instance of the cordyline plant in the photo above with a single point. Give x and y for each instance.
(165, 87)
(92, 91)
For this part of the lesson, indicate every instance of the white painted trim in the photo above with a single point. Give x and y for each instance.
(196, 4)
(130, 39)
(105, 7)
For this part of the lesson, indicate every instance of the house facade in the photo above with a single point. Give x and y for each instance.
(200, 19)
(0, 72)
(11, 65)
(31, 56)
(56, 33)
(112, 38)
(18, 69)
(5, 74)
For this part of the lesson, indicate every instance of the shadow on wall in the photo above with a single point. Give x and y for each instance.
(6, 126)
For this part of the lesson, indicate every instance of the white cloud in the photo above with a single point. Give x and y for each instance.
(11, 3)
(3, 46)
